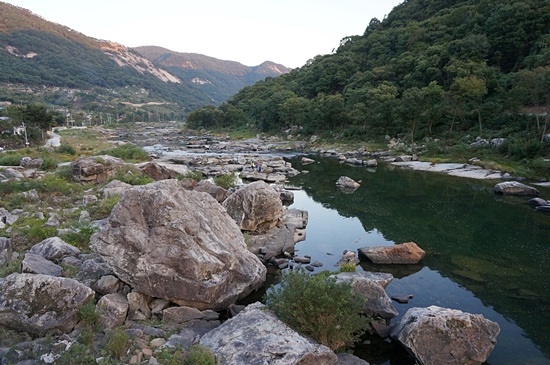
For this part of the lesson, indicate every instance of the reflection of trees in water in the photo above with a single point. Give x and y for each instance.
(496, 247)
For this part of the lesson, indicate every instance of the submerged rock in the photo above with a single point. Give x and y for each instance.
(436, 335)
(178, 245)
(347, 183)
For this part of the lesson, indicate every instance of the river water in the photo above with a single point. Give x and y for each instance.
(485, 254)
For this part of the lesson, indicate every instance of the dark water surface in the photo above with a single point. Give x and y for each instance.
(485, 254)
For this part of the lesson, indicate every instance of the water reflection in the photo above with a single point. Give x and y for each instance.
(485, 254)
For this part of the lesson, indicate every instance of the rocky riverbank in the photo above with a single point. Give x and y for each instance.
(173, 259)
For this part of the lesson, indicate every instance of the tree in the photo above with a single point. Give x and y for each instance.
(473, 89)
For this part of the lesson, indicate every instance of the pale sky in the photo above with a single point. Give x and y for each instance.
(288, 32)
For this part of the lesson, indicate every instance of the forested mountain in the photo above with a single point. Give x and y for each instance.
(431, 68)
(45, 56)
(220, 79)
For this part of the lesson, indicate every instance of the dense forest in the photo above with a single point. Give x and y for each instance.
(431, 68)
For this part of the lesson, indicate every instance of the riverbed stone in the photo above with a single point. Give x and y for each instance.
(38, 303)
(54, 249)
(377, 300)
(178, 245)
(346, 182)
(537, 202)
(256, 207)
(515, 188)
(257, 336)
(404, 253)
(436, 335)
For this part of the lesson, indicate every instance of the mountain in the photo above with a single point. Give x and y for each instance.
(64, 67)
(220, 79)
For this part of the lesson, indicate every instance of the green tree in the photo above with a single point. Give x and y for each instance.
(472, 89)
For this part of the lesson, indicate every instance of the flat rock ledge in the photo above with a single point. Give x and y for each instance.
(455, 169)
(257, 336)
(436, 336)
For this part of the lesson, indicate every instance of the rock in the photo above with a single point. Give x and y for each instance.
(404, 253)
(257, 336)
(404, 158)
(115, 187)
(31, 163)
(178, 245)
(112, 310)
(54, 249)
(37, 303)
(402, 299)
(347, 183)
(181, 314)
(371, 163)
(6, 250)
(158, 172)
(280, 239)
(7, 217)
(158, 305)
(349, 359)
(256, 207)
(89, 199)
(35, 264)
(306, 161)
(302, 259)
(515, 188)
(53, 221)
(495, 142)
(215, 191)
(287, 197)
(543, 208)
(537, 202)
(92, 270)
(546, 138)
(184, 339)
(107, 284)
(157, 342)
(11, 173)
(95, 169)
(377, 301)
(436, 335)
(138, 306)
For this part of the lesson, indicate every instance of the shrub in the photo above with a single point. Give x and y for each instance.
(117, 343)
(49, 163)
(10, 268)
(348, 267)
(195, 175)
(66, 149)
(226, 181)
(79, 236)
(128, 152)
(195, 355)
(78, 354)
(131, 175)
(318, 307)
(10, 159)
(102, 208)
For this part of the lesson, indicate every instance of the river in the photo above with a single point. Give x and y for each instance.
(485, 254)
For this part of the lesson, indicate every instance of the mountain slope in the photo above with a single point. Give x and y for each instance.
(221, 79)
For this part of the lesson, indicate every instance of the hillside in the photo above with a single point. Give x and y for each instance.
(432, 69)
(220, 79)
(67, 68)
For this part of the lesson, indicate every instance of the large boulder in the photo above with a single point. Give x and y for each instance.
(95, 168)
(36, 264)
(347, 183)
(179, 245)
(38, 303)
(436, 335)
(217, 192)
(515, 188)
(54, 249)
(112, 310)
(256, 207)
(158, 171)
(404, 253)
(371, 287)
(257, 336)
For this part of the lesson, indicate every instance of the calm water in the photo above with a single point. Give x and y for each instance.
(484, 253)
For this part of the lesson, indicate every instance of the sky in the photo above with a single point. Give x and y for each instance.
(288, 32)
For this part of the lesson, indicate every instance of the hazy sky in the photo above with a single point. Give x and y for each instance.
(289, 32)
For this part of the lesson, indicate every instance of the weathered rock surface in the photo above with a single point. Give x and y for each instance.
(115, 187)
(112, 310)
(95, 168)
(179, 245)
(40, 303)
(436, 335)
(215, 191)
(347, 183)
(256, 207)
(54, 249)
(280, 239)
(349, 359)
(515, 188)
(538, 202)
(257, 336)
(158, 171)
(28, 162)
(306, 161)
(36, 264)
(404, 253)
(181, 314)
(370, 287)
(138, 306)
(6, 250)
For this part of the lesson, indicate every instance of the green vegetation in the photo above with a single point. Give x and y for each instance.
(128, 152)
(433, 69)
(131, 175)
(320, 308)
(348, 267)
(196, 355)
(195, 175)
(79, 236)
(10, 268)
(117, 343)
(227, 181)
(102, 208)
